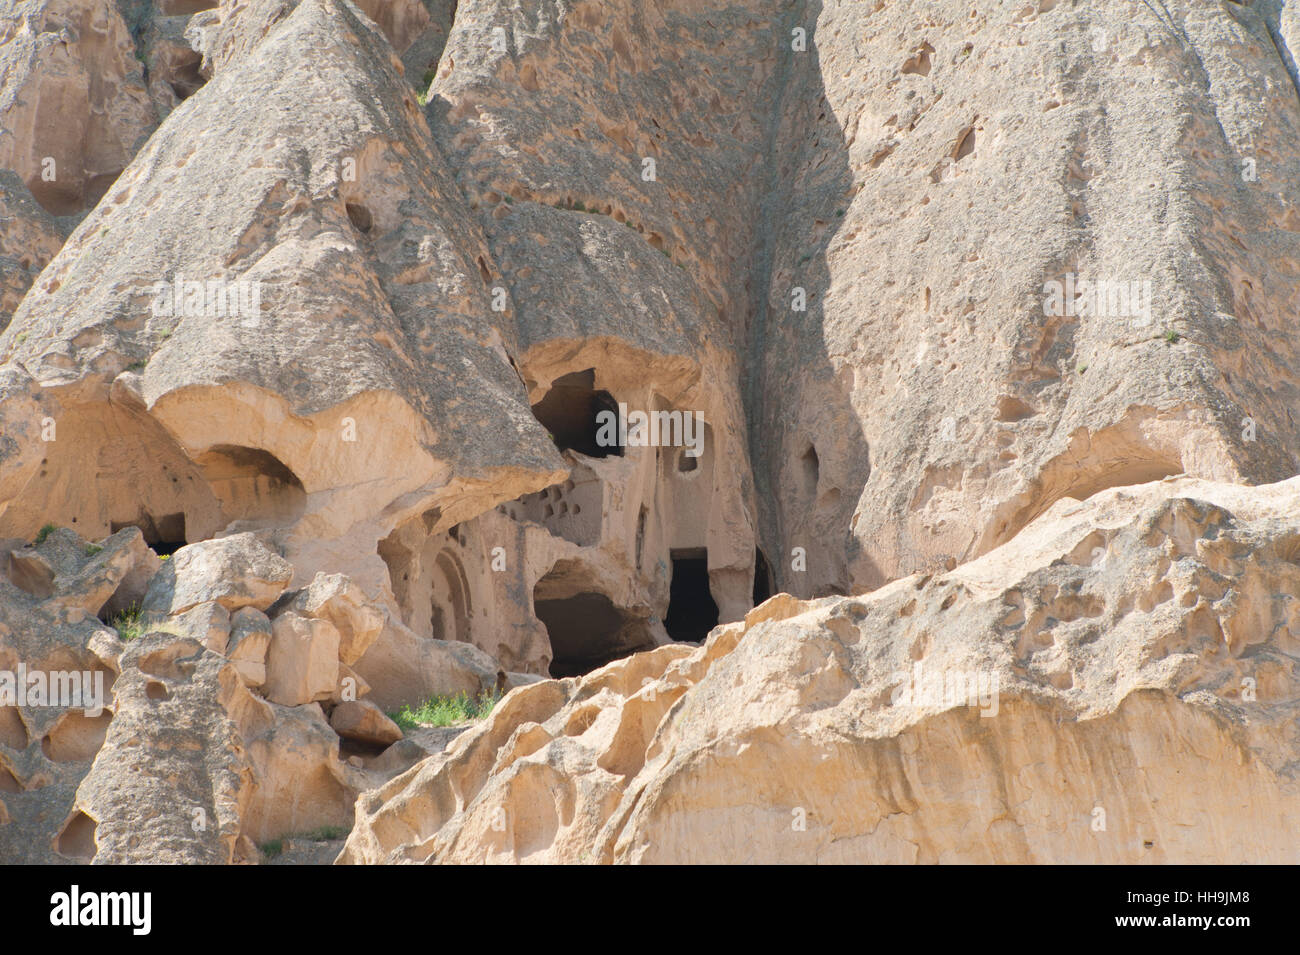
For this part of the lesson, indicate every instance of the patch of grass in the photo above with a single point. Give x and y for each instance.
(326, 833)
(92, 549)
(20, 338)
(445, 710)
(128, 624)
(1171, 337)
(43, 533)
(1083, 367)
(276, 847)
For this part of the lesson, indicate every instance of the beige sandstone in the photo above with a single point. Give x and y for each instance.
(235, 572)
(302, 661)
(828, 228)
(1140, 642)
(363, 721)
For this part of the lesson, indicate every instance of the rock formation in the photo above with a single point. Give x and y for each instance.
(1129, 660)
(354, 354)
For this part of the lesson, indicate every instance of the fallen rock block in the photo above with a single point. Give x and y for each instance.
(103, 578)
(404, 668)
(238, 571)
(208, 623)
(336, 598)
(250, 640)
(302, 662)
(361, 720)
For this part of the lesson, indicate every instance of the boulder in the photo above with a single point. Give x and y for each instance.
(236, 572)
(404, 669)
(302, 661)
(206, 623)
(335, 598)
(361, 720)
(250, 641)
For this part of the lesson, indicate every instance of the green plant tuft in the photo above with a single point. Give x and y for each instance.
(128, 624)
(445, 710)
(45, 532)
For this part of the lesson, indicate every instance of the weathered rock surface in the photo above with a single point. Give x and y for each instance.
(176, 750)
(29, 238)
(926, 406)
(338, 601)
(346, 286)
(73, 104)
(302, 662)
(1130, 659)
(235, 572)
(101, 579)
(58, 667)
(172, 781)
(363, 721)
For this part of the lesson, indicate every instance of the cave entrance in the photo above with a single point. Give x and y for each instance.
(166, 534)
(763, 584)
(252, 484)
(587, 631)
(692, 612)
(569, 412)
(450, 602)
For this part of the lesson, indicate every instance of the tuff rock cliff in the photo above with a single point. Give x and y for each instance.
(975, 536)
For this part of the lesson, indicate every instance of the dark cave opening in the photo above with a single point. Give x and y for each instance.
(360, 217)
(571, 410)
(587, 631)
(692, 612)
(166, 534)
(763, 584)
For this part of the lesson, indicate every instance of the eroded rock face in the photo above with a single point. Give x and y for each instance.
(931, 402)
(200, 727)
(73, 104)
(347, 289)
(58, 669)
(1146, 634)
(29, 238)
(131, 373)
(172, 781)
